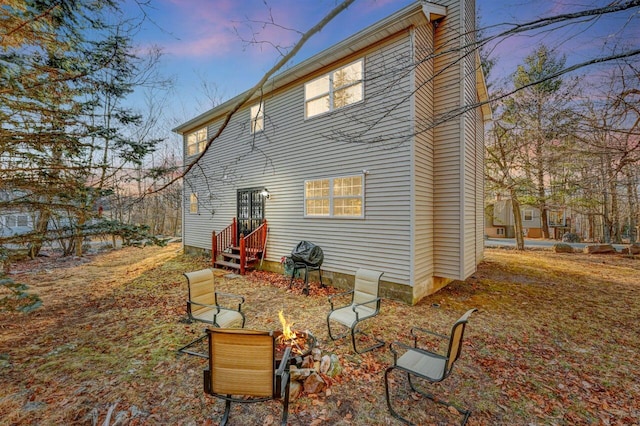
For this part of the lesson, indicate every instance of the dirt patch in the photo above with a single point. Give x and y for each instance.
(554, 342)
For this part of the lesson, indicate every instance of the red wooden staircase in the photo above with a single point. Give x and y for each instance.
(238, 253)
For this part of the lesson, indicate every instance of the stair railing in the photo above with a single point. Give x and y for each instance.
(253, 244)
(225, 239)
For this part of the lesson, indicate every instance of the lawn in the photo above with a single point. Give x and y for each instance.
(554, 342)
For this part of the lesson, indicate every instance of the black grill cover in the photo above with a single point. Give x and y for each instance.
(308, 253)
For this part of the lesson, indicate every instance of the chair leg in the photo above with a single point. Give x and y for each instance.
(227, 410)
(386, 388)
(185, 348)
(285, 402)
(340, 336)
(379, 343)
(465, 413)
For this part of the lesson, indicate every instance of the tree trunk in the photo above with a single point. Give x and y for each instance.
(41, 226)
(542, 204)
(517, 221)
(615, 212)
(544, 220)
(79, 235)
(632, 194)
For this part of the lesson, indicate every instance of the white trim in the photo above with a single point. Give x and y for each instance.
(412, 158)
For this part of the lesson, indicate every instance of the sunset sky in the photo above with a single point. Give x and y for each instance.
(207, 40)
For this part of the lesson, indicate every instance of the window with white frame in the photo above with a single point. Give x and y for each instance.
(334, 90)
(334, 197)
(11, 221)
(196, 141)
(257, 118)
(193, 203)
(528, 215)
(500, 231)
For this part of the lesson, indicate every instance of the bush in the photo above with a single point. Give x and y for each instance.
(571, 237)
(15, 297)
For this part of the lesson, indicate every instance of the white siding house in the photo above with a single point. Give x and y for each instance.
(371, 149)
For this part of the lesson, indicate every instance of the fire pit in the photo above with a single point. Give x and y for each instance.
(301, 342)
(301, 345)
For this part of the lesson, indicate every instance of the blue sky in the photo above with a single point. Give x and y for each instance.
(206, 40)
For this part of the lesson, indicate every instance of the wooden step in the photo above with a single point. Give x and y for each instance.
(236, 249)
(234, 256)
(225, 264)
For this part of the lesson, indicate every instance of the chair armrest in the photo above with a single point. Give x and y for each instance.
(284, 363)
(355, 306)
(230, 296)
(394, 346)
(415, 336)
(191, 302)
(281, 379)
(338, 295)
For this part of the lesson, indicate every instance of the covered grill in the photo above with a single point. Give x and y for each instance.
(309, 257)
(308, 253)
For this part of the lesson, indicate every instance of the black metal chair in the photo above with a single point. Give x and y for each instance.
(203, 306)
(424, 364)
(243, 369)
(365, 304)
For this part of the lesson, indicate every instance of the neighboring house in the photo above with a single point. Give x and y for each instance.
(499, 221)
(367, 150)
(12, 220)
(15, 223)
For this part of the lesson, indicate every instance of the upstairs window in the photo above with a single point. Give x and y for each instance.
(335, 90)
(528, 215)
(335, 197)
(257, 118)
(196, 141)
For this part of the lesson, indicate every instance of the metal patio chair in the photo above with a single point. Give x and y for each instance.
(425, 364)
(365, 304)
(243, 369)
(203, 305)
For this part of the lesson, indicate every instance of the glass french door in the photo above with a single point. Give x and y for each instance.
(250, 210)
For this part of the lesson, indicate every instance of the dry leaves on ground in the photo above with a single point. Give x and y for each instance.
(554, 342)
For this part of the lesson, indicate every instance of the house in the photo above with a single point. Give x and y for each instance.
(499, 220)
(372, 149)
(12, 220)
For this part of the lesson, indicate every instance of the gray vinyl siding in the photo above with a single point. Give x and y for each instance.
(423, 157)
(448, 146)
(471, 147)
(371, 136)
